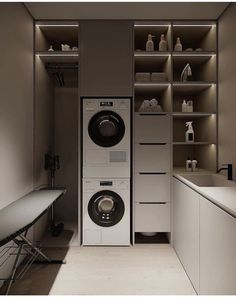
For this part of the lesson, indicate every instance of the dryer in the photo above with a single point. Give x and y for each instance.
(106, 137)
(106, 212)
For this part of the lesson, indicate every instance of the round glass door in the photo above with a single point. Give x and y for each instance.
(106, 128)
(106, 208)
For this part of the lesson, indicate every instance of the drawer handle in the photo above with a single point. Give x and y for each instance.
(152, 202)
(152, 144)
(152, 173)
(156, 114)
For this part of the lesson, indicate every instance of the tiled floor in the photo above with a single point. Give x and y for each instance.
(139, 270)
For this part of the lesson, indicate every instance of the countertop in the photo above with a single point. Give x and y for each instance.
(223, 197)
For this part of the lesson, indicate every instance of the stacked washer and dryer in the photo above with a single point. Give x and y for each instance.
(106, 140)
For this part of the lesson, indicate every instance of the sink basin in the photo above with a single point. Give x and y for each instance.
(209, 180)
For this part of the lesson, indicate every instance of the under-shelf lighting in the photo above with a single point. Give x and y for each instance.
(57, 55)
(153, 84)
(151, 25)
(194, 54)
(194, 25)
(193, 84)
(57, 25)
(151, 54)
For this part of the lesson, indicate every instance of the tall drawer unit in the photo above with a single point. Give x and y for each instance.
(152, 166)
(152, 128)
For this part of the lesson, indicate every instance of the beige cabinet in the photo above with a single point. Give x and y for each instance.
(205, 241)
(152, 127)
(186, 229)
(217, 250)
(152, 187)
(152, 158)
(152, 217)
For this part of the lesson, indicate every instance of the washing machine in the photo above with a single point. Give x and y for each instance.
(106, 137)
(106, 212)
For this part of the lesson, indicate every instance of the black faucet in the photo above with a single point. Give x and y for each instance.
(229, 168)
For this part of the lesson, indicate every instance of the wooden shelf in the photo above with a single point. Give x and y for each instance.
(151, 86)
(58, 56)
(191, 87)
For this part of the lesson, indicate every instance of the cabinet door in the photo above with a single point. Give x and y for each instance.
(106, 58)
(152, 128)
(186, 229)
(150, 217)
(217, 250)
(152, 158)
(152, 187)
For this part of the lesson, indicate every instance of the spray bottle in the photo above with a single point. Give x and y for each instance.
(189, 135)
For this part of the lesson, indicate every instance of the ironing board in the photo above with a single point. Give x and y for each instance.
(18, 217)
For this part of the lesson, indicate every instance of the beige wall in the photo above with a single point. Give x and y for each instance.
(227, 87)
(16, 108)
(16, 100)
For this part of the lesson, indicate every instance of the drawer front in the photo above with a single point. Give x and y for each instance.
(152, 128)
(152, 217)
(152, 187)
(152, 158)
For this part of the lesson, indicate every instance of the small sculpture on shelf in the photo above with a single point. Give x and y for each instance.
(150, 106)
(65, 47)
(50, 48)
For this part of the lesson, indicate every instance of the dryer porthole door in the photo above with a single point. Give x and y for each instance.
(106, 208)
(106, 128)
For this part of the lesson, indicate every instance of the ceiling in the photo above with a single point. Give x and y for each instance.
(126, 10)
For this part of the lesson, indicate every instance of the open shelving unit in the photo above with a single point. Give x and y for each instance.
(62, 66)
(199, 41)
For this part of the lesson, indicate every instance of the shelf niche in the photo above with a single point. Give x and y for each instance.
(196, 35)
(142, 29)
(203, 97)
(160, 92)
(205, 155)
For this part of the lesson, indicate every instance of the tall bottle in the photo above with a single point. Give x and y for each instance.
(189, 135)
(162, 43)
(178, 45)
(149, 43)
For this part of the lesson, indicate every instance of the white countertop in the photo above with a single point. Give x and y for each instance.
(224, 197)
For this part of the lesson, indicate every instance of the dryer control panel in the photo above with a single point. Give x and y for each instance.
(105, 104)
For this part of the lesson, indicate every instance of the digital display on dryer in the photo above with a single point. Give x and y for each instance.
(106, 103)
(105, 183)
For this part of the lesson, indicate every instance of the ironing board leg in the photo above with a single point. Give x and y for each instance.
(12, 277)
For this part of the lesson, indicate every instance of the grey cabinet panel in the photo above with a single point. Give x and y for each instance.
(152, 158)
(217, 250)
(152, 217)
(186, 229)
(106, 58)
(152, 187)
(152, 128)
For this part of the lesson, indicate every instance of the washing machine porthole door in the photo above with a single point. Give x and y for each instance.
(106, 208)
(106, 128)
